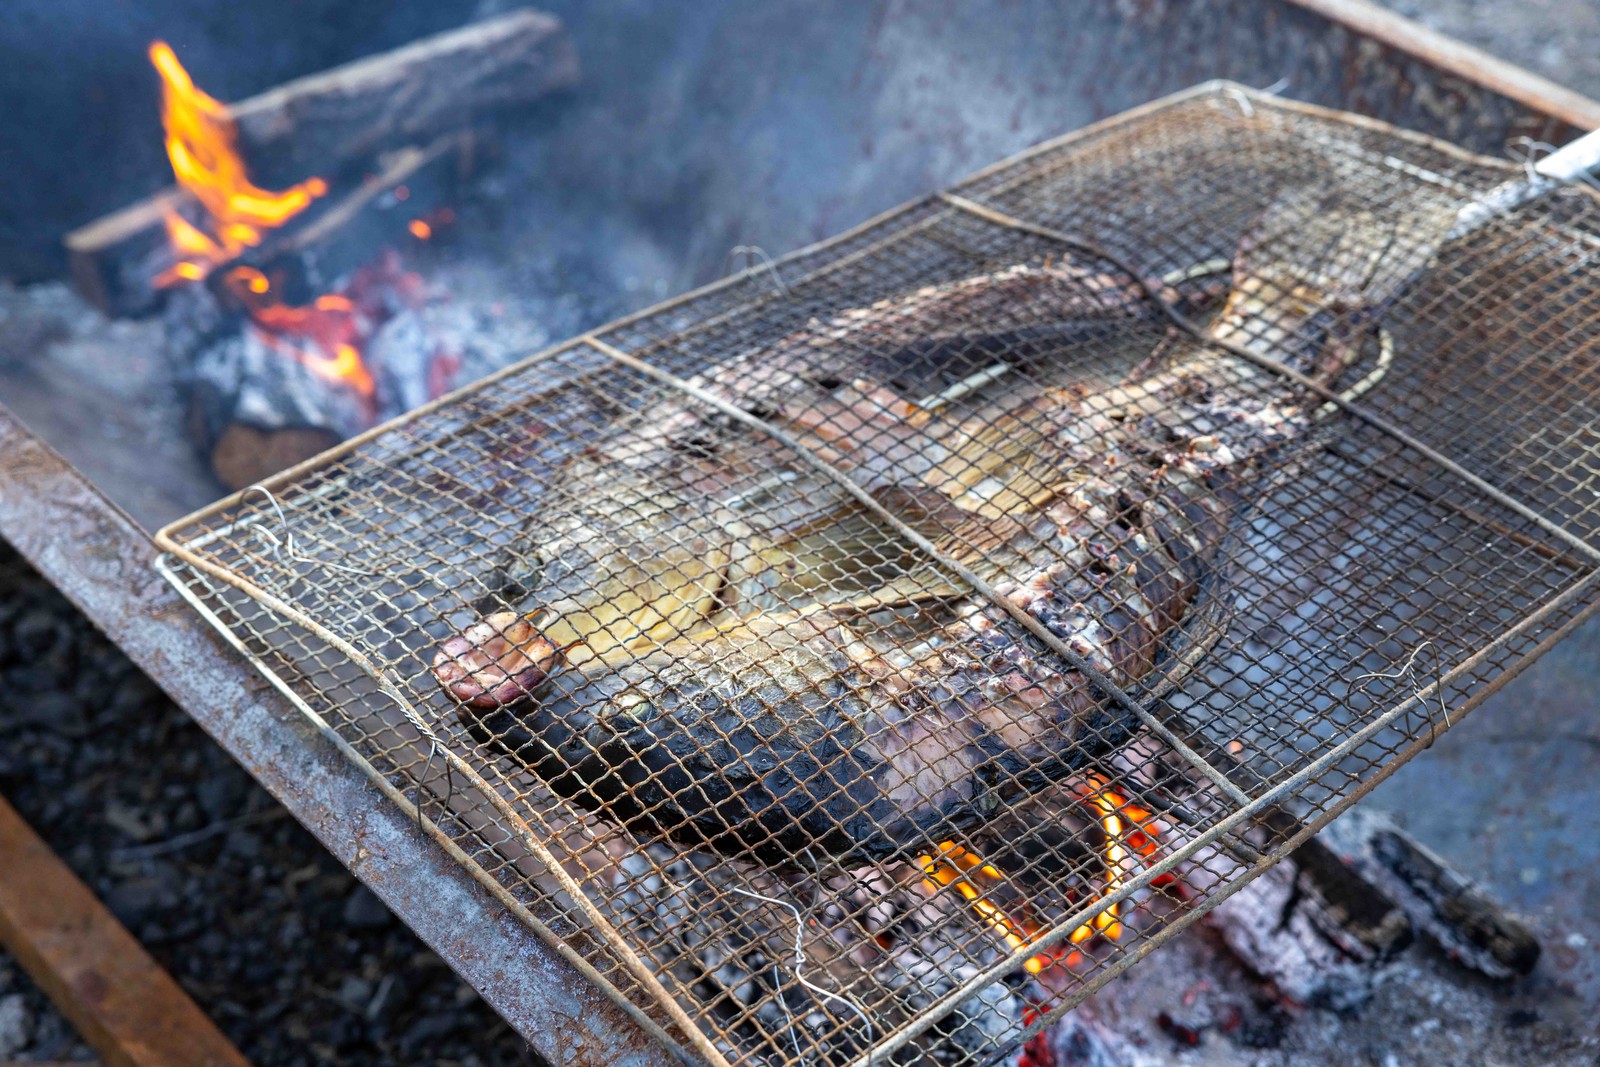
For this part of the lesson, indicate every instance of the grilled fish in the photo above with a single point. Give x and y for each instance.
(791, 675)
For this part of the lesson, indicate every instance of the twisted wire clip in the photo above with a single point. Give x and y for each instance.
(800, 962)
(283, 547)
(745, 257)
(1408, 670)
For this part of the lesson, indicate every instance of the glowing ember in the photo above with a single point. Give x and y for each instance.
(1129, 832)
(200, 139)
(322, 336)
(967, 871)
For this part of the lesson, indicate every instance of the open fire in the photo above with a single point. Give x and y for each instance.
(200, 142)
(1130, 837)
(283, 263)
(329, 334)
(324, 326)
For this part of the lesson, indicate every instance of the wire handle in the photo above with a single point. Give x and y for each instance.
(1572, 162)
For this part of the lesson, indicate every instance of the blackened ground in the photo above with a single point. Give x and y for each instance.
(296, 962)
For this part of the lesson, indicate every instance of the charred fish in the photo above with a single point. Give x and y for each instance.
(713, 642)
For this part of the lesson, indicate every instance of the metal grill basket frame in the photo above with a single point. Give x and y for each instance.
(1426, 536)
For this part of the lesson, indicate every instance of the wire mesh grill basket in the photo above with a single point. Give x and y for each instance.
(862, 660)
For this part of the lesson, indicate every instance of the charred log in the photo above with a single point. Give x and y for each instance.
(115, 259)
(1459, 915)
(1448, 908)
(254, 409)
(1281, 929)
(1366, 916)
(1285, 927)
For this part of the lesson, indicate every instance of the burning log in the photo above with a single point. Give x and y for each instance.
(330, 123)
(294, 380)
(383, 344)
(315, 257)
(277, 294)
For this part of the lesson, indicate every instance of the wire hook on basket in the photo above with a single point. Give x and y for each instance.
(749, 254)
(800, 962)
(1243, 100)
(283, 547)
(1408, 670)
(1528, 151)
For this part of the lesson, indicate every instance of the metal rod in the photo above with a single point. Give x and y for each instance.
(1566, 165)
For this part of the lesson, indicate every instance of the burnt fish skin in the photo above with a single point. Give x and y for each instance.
(725, 703)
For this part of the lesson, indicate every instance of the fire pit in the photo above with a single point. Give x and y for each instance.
(1125, 820)
(1370, 597)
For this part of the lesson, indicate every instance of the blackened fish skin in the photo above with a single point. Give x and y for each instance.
(787, 733)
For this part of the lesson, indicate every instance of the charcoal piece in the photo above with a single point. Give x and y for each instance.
(1283, 933)
(1448, 907)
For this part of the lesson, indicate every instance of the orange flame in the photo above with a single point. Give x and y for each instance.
(330, 324)
(1115, 813)
(344, 367)
(201, 140)
(966, 870)
(1129, 831)
(201, 144)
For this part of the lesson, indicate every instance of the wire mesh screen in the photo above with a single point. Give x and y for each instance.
(864, 659)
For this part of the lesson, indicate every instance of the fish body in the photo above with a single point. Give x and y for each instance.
(673, 674)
